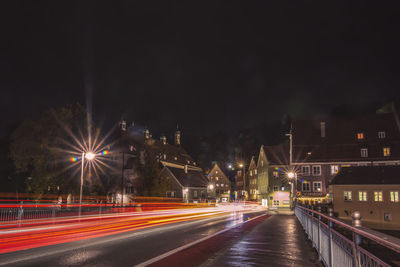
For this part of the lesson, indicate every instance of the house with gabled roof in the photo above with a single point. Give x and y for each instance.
(252, 180)
(273, 182)
(221, 185)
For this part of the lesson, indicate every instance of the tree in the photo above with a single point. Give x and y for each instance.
(153, 183)
(41, 149)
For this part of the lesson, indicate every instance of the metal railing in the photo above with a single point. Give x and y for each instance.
(335, 249)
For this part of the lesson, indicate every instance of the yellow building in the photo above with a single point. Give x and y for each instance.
(373, 191)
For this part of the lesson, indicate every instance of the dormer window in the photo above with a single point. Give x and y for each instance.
(131, 148)
(381, 135)
(175, 158)
(360, 136)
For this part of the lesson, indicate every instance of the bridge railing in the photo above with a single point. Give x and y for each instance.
(334, 248)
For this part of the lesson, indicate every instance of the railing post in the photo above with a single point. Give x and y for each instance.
(312, 226)
(356, 215)
(20, 214)
(330, 224)
(319, 234)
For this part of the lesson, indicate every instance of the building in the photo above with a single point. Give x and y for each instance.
(240, 190)
(252, 180)
(186, 179)
(221, 185)
(274, 185)
(371, 190)
(320, 148)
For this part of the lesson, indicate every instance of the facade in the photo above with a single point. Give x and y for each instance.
(273, 168)
(252, 180)
(221, 185)
(320, 148)
(240, 192)
(371, 190)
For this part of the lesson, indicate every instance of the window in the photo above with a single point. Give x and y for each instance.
(276, 188)
(175, 158)
(255, 171)
(275, 174)
(216, 178)
(276, 202)
(394, 196)
(217, 184)
(381, 135)
(170, 193)
(222, 184)
(378, 196)
(165, 156)
(364, 152)
(306, 186)
(316, 170)
(360, 136)
(334, 169)
(362, 196)
(347, 196)
(386, 151)
(251, 173)
(305, 170)
(194, 193)
(262, 163)
(317, 186)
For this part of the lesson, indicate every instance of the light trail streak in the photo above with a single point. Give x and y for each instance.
(26, 238)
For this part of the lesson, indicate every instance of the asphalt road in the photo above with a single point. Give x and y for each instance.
(125, 249)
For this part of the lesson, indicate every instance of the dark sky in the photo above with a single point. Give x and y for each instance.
(207, 65)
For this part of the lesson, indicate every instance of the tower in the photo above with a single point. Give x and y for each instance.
(177, 137)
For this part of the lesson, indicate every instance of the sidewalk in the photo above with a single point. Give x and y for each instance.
(277, 241)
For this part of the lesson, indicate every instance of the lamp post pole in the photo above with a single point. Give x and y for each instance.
(80, 192)
(122, 180)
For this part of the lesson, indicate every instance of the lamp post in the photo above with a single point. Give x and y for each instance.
(241, 165)
(89, 156)
(293, 176)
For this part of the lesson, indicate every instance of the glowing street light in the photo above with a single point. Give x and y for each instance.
(211, 186)
(88, 156)
(291, 175)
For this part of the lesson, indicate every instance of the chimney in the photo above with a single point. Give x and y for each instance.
(177, 137)
(163, 139)
(323, 129)
(186, 168)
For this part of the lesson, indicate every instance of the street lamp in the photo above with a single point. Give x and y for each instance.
(293, 176)
(88, 156)
(241, 165)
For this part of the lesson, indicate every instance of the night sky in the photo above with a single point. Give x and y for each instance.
(206, 65)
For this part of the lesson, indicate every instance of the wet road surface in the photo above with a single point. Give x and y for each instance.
(125, 249)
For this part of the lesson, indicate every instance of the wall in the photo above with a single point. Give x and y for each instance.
(372, 212)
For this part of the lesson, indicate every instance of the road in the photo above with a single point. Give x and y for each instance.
(126, 241)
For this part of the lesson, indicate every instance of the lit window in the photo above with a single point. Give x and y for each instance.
(386, 151)
(226, 185)
(316, 170)
(165, 156)
(347, 196)
(362, 196)
(251, 173)
(217, 184)
(306, 186)
(276, 188)
(216, 178)
(334, 169)
(216, 172)
(262, 163)
(394, 196)
(276, 202)
(360, 136)
(175, 158)
(364, 152)
(222, 184)
(381, 135)
(305, 170)
(317, 186)
(378, 196)
(309, 153)
(275, 174)
(255, 171)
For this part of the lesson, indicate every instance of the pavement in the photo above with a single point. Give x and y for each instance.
(271, 240)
